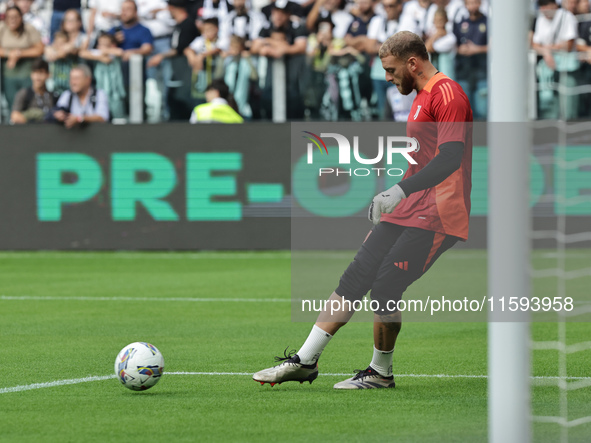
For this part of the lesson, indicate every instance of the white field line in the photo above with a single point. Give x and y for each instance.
(51, 384)
(185, 299)
(74, 381)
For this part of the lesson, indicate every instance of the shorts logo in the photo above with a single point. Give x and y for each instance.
(402, 265)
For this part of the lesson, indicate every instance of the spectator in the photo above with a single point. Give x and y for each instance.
(454, 9)
(60, 62)
(441, 44)
(155, 16)
(81, 104)
(471, 59)
(241, 22)
(108, 73)
(72, 26)
(319, 49)
(294, 9)
(571, 6)
(33, 19)
(202, 55)
(59, 10)
(338, 67)
(104, 15)
(414, 16)
(220, 106)
(555, 31)
(397, 105)
(357, 38)
(20, 44)
(63, 52)
(132, 36)
(379, 29)
(33, 104)
(179, 93)
(283, 38)
(583, 45)
(357, 33)
(239, 73)
(214, 9)
(330, 10)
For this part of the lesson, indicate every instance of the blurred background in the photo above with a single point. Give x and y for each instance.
(311, 60)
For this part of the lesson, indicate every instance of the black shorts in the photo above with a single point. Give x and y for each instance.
(389, 260)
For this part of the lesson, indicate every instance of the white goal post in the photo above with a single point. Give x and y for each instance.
(509, 417)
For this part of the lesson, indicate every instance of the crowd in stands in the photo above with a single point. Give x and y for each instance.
(329, 48)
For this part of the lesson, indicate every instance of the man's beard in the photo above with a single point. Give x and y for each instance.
(406, 84)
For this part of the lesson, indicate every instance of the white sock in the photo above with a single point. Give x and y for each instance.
(310, 351)
(382, 362)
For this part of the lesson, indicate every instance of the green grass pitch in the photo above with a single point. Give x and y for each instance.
(66, 315)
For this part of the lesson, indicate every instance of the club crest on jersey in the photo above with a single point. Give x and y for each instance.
(417, 113)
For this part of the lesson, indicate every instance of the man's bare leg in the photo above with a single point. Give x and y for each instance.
(303, 365)
(331, 323)
(328, 323)
(385, 332)
(379, 372)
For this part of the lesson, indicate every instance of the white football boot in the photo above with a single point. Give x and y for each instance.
(366, 379)
(290, 369)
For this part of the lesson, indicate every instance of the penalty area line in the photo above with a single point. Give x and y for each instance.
(75, 381)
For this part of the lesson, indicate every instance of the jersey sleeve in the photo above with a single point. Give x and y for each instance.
(569, 29)
(147, 36)
(451, 111)
(373, 29)
(197, 45)
(19, 104)
(34, 34)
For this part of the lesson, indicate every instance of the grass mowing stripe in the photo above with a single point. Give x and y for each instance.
(149, 255)
(74, 381)
(186, 299)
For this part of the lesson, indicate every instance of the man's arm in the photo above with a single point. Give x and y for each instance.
(91, 19)
(144, 50)
(298, 47)
(19, 105)
(257, 45)
(101, 108)
(438, 169)
(155, 60)
(313, 15)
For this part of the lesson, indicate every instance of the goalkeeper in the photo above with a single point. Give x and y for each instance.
(415, 221)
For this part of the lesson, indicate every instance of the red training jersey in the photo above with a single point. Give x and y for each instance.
(440, 113)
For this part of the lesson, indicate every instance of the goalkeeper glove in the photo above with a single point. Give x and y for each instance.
(385, 202)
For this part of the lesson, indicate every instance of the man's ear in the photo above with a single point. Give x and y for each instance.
(412, 64)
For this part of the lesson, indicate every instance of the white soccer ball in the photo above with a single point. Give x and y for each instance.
(139, 366)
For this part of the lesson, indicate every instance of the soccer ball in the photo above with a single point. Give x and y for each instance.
(139, 366)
